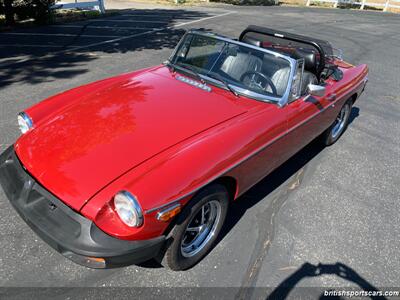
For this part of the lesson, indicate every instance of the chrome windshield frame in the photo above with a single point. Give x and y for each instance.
(281, 101)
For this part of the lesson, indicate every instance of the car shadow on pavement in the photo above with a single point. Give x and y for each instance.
(308, 270)
(67, 54)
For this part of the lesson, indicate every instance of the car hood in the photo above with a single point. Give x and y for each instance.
(98, 135)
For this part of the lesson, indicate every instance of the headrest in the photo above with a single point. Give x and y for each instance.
(252, 41)
(310, 62)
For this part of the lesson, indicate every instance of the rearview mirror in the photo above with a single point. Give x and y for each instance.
(232, 50)
(316, 90)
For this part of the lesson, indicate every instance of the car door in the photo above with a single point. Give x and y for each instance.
(306, 119)
(265, 148)
(307, 116)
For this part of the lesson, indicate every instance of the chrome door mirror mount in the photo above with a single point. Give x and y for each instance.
(316, 90)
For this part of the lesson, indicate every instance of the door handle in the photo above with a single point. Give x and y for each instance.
(331, 97)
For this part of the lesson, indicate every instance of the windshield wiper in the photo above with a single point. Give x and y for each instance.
(170, 64)
(192, 71)
(224, 82)
(185, 68)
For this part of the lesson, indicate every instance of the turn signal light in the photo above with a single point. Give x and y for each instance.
(91, 262)
(169, 213)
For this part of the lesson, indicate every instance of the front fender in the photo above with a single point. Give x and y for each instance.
(177, 173)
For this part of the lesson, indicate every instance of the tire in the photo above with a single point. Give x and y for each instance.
(181, 254)
(335, 131)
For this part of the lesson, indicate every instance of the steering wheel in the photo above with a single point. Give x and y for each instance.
(263, 84)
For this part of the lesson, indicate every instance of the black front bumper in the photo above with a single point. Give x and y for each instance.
(67, 231)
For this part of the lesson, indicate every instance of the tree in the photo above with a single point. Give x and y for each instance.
(25, 9)
(9, 12)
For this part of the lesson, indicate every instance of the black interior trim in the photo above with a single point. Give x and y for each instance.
(319, 45)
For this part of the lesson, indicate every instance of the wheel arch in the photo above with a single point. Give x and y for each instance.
(230, 183)
(353, 98)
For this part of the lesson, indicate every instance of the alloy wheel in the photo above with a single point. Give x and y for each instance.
(201, 228)
(340, 121)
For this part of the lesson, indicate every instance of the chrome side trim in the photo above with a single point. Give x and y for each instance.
(159, 214)
(149, 211)
(255, 152)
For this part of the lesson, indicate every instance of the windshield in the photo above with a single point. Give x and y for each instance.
(243, 68)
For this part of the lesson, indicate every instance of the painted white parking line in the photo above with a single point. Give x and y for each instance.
(60, 34)
(104, 27)
(131, 21)
(172, 12)
(155, 16)
(149, 31)
(152, 30)
(31, 45)
(204, 19)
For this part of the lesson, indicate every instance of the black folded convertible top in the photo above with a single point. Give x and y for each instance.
(323, 47)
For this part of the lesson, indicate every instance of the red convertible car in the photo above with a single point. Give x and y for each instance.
(145, 164)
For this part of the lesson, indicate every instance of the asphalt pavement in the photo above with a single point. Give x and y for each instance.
(328, 217)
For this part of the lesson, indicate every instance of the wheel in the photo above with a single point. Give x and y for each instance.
(197, 228)
(333, 133)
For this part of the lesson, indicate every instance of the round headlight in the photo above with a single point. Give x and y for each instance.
(24, 122)
(128, 209)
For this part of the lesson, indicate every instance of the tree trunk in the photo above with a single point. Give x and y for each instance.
(9, 12)
(42, 14)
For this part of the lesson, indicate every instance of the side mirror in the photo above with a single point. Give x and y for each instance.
(316, 90)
